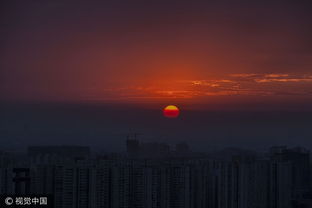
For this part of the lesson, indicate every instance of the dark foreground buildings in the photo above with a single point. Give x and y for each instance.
(161, 179)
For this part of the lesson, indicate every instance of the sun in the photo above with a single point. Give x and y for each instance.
(171, 111)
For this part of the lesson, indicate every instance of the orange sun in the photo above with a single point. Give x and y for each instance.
(171, 111)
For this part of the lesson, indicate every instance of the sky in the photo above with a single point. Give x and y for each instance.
(90, 72)
(186, 52)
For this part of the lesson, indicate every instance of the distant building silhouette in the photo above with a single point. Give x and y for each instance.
(133, 147)
(299, 158)
(136, 149)
(156, 181)
(21, 181)
(182, 148)
(52, 152)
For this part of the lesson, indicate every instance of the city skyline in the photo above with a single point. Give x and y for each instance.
(70, 176)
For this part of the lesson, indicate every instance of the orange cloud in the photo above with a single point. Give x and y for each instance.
(275, 75)
(251, 84)
(283, 80)
(244, 75)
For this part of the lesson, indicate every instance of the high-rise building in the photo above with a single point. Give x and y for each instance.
(133, 147)
(155, 182)
(299, 158)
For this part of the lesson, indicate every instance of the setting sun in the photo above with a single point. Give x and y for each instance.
(171, 111)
